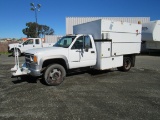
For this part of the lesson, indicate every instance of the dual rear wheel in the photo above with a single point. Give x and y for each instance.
(127, 64)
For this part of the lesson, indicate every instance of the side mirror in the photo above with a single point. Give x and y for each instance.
(86, 48)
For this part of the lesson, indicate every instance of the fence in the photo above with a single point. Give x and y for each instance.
(4, 46)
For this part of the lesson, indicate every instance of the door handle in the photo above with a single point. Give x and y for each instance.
(92, 51)
(33, 46)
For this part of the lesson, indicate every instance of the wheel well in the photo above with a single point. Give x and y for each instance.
(12, 49)
(133, 57)
(15, 48)
(57, 61)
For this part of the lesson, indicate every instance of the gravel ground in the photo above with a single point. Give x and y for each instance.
(100, 95)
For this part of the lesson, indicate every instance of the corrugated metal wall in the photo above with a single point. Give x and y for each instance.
(52, 38)
(71, 21)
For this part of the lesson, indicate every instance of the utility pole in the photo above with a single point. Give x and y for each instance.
(36, 9)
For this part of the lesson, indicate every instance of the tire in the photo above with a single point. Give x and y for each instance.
(54, 75)
(127, 64)
(19, 53)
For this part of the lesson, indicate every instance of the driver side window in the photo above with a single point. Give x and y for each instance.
(87, 42)
(82, 43)
(30, 41)
(78, 44)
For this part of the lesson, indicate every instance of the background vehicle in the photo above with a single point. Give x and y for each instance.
(151, 35)
(31, 43)
(101, 44)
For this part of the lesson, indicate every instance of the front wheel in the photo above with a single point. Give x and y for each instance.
(54, 75)
(127, 64)
(18, 53)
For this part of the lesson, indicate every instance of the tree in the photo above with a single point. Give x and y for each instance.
(45, 30)
(30, 30)
(42, 30)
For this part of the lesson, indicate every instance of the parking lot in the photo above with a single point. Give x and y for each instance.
(96, 95)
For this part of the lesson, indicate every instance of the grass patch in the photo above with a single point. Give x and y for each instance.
(5, 53)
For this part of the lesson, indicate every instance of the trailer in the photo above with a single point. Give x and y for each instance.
(151, 35)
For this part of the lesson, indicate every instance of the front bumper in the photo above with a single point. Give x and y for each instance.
(35, 73)
(26, 70)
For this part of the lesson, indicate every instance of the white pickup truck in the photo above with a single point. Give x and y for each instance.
(31, 43)
(100, 44)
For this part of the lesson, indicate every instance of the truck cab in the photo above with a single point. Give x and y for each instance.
(81, 50)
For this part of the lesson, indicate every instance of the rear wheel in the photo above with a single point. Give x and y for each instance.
(127, 64)
(54, 75)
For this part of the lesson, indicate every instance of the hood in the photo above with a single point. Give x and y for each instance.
(14, 44)
(49, 50)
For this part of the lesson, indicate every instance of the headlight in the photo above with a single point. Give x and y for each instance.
(33, 58)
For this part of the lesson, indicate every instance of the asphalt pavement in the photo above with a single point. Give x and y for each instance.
(96, 95)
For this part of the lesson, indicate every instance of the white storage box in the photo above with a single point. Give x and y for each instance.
(125, 37)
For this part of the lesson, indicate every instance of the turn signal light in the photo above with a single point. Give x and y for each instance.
(35, 59)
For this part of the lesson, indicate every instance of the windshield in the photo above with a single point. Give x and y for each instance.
(65, 41)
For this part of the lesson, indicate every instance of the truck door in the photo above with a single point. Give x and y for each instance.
(82, 54)
(27, 45)
(74, 53)
(37, 43)
(88, 56)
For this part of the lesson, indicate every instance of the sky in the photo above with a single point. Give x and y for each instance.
(14, 14)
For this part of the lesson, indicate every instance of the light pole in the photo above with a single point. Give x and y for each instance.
(34, 8)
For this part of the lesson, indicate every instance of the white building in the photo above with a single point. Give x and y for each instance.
(52, 38)
(71, 21)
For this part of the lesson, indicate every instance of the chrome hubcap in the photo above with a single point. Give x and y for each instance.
(55, 74)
